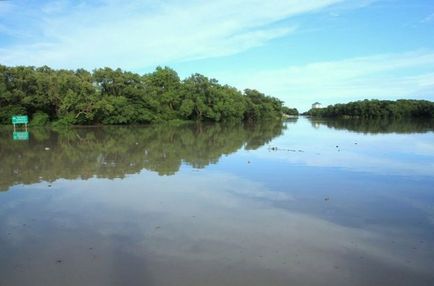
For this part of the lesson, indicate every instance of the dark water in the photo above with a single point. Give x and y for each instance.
(304, 203)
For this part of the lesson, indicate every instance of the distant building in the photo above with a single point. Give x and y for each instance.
(316, 105)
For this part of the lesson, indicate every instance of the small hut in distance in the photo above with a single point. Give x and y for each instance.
(316, 105)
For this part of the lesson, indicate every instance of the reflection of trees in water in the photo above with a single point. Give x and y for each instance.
(380, 125)
(113, 152)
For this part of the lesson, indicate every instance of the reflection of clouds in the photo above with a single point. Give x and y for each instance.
(372, 164)
(399, 154)
(424, 148)
(201, 220)
(249, 189)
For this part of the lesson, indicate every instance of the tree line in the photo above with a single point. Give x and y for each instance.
(377, 108)
(107, 96)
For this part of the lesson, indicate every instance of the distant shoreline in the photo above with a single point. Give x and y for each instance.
(401, 108)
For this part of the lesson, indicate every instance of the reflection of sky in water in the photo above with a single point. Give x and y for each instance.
(361, 216)
(389, 154)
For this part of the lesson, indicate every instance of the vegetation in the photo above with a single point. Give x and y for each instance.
(108, 96)
(290, 111)
(377, 109)
(116, 151)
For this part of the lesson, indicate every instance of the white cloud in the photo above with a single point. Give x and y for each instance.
(380, 76)
(137, 34)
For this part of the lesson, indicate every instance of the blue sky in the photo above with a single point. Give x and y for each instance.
(301, 51)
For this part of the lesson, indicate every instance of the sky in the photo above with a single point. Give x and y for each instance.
(301, 51)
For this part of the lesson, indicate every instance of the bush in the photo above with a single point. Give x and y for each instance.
(40, 119)
(65, 121)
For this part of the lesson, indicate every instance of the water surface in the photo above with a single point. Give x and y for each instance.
(307, 202)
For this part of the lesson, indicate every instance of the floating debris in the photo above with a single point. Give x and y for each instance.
(283, 149)
(47, 148)
(326, 199)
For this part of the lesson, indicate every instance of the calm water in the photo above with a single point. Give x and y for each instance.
(306, 203)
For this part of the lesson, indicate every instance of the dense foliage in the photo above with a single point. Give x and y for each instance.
(377, 108)
(108, 96)
(290, 111)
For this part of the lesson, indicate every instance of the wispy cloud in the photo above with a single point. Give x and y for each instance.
(5, 6)
(428, 19)
(137, 34)
(385, 76)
